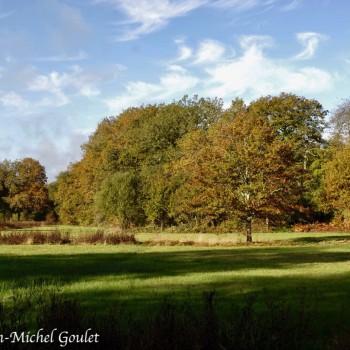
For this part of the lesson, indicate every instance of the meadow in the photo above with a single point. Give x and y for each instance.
(307, 271)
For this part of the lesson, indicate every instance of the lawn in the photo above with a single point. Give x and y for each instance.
(316, 268)
(99, 274)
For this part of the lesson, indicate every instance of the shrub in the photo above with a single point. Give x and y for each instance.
(91, 238)
(118, 238)
(34, 237)
(56, 237)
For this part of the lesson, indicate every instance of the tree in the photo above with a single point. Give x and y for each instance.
(157, 187)
(294, 118)
(5, 171)
(26, 186)
(337, 183)
(244, 171)
(340, 121)
(254, 164)
(119, 199)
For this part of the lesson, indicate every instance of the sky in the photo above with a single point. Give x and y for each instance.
(67, 64)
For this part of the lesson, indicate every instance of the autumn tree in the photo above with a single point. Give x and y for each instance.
(195, 161)
(337, 183)
(73, 196)
(336, 167)
(244, 171)
(140, 141)
(5, 174)
(252, 165)
(25, 186)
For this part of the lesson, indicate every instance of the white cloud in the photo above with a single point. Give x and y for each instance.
(249, 75)
(54, 84)
(176, 82)
(12, 99)
(310, 42)
(185, 52)
(308, 80)
(209, 51)
(62, 85)
(254, 74)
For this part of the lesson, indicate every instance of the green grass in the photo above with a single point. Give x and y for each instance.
(100, 274)
(314, 265)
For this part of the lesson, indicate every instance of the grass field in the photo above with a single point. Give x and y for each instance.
(314, 265)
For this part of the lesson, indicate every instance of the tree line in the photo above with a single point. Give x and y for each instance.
(195, 163)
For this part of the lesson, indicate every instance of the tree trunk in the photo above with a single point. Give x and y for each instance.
(248, 229)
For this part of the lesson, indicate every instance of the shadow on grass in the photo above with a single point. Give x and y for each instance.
(139, 278)
(325, 239)
(150, 276)
(142, 265)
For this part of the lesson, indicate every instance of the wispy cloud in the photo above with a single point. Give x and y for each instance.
(5, 14)
(52, 84)
(258, 42)
(61, 87)
(12, 99)
(310, 42)
(241, 5)
(63, 58)
(292, 5)
(144, 16)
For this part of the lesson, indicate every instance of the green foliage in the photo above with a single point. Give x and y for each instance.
(193, 162)
(119, 199)
(337, 182)
(157, 187)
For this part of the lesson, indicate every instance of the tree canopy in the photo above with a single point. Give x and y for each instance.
(194, 162)
(23, 188)
(197, 164)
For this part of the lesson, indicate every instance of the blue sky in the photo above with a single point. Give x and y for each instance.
(66, 64)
